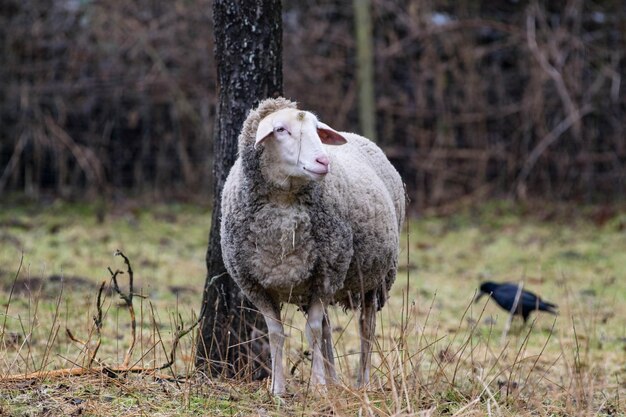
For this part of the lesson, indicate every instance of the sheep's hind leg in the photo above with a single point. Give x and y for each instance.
(327, 349)
(367, 328)
(314, 332)
(276, 335)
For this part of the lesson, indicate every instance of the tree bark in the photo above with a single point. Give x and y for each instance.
(248, 51)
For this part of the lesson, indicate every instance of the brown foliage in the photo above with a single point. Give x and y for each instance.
(102, 95)
(473, 98)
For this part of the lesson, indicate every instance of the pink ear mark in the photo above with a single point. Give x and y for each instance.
(330, 137)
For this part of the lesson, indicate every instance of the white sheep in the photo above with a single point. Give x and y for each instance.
(312, 225)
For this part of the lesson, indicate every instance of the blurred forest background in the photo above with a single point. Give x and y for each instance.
(472, 98)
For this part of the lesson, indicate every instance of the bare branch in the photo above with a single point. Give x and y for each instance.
(544, 144)
(128, 299)
(566, 98)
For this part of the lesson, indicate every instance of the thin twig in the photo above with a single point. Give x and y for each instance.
(538, 357)
(79, 371)
(54, 331)
(128, 299)
(180, 333)
(6, 310)
(92, 353)
(507, 326)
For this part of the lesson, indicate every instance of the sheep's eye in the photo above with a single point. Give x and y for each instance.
(280, 129)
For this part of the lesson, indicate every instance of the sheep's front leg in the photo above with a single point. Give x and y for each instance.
(277, 340)
(314, 332)
(367, 328)
(327, 349)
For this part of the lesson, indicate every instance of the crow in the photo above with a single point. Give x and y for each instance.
(504, 294)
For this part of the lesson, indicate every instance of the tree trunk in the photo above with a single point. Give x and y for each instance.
(248, 51)
(365, 67)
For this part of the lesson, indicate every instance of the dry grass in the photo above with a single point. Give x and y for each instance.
(437, 353)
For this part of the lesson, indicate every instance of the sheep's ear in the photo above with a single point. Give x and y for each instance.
(329, 136)
(264, 130)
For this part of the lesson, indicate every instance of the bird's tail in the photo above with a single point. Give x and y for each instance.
(548, 307)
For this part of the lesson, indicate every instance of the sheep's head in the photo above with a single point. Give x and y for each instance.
(293, 145)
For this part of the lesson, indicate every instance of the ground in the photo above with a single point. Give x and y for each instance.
(438, 353)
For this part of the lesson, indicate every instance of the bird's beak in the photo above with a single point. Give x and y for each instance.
(479, 296)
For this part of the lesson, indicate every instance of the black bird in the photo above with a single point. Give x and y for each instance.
(504, 294)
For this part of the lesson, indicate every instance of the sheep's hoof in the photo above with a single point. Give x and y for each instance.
(277, 389)
(279, 399)
(279, 393)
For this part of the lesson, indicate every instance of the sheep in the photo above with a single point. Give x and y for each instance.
(310, 216)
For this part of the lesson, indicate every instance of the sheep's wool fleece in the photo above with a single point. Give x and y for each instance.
(336, 239)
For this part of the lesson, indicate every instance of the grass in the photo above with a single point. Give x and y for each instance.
(437, 352)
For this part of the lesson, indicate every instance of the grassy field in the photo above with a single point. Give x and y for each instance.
(438, 353)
